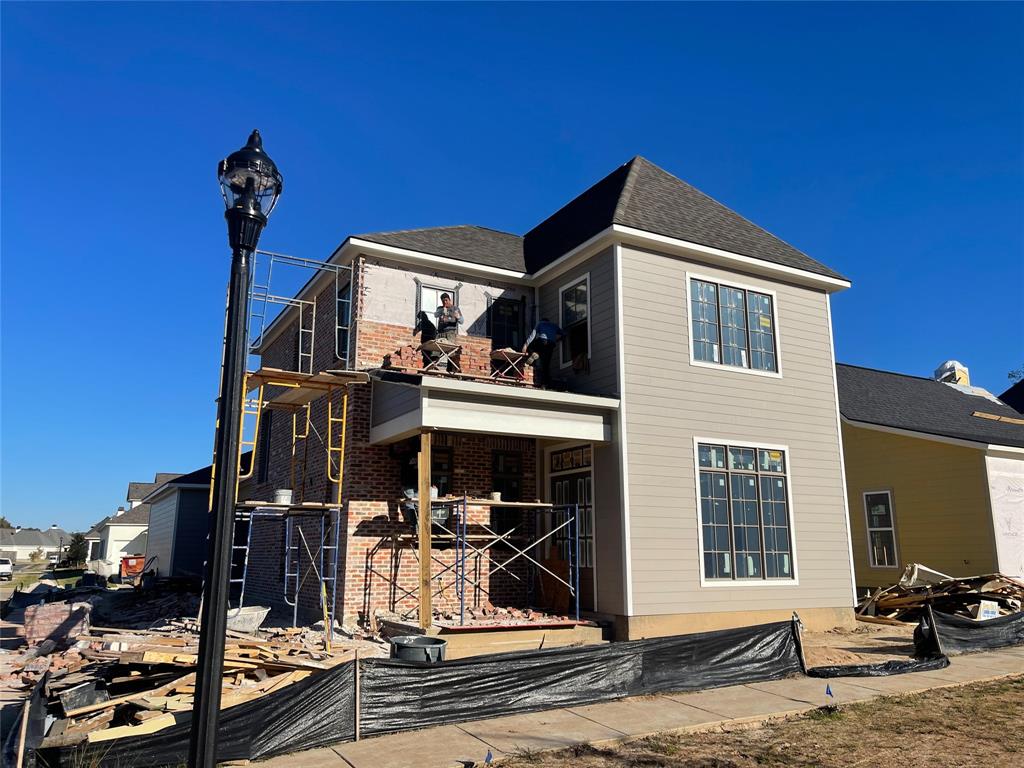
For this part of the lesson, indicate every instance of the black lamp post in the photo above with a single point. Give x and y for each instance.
(251, 185)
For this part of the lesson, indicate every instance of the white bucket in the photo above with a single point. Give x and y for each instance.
(283, 496)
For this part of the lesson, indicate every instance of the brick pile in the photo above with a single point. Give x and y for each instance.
(58, 622)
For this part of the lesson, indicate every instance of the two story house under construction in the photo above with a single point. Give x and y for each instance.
(683, 472)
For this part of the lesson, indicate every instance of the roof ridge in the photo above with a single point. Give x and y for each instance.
(891, 373)
(435, 228)
(731, 210)
(628, 186)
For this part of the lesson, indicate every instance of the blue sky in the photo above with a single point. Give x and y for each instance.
(886, 140)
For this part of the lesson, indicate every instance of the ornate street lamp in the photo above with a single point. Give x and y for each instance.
(251, 185)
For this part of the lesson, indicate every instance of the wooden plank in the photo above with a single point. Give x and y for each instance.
(181, 681)
(424, 527)
(152, 725)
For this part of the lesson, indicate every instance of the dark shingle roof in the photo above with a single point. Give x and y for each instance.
(477, 245)
(923, 405)
(94, 532)
(139, 491)
(137, 515)
(641, 195)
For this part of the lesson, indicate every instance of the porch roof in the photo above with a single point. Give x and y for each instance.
(403, 405)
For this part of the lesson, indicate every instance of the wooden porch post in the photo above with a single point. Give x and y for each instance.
(423, 524)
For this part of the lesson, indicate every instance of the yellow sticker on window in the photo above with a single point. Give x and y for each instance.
(766, 322)
(775, 455)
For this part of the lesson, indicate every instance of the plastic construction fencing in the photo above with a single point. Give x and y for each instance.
(943, 633)
(401, 695)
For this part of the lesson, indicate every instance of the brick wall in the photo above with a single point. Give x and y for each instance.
(377, 560)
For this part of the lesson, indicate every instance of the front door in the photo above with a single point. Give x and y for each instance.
(577, 488)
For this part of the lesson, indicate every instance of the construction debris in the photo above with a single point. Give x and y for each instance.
(920, 587)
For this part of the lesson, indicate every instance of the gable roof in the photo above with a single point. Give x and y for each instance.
(32, 537)
(137, 515)
(924, 405)
(477, 245)
(643, 196)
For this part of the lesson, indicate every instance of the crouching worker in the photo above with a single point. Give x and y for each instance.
(428, 332)
(541, 345)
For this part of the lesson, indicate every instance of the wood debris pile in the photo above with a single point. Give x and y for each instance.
(908, 600)
(114, 683)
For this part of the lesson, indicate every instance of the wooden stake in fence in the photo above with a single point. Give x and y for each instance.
(356, 665)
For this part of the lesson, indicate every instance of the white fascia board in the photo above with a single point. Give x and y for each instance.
(720, 257)
(419, 258)
(923, 435)
(518, 393)
(1005, 451)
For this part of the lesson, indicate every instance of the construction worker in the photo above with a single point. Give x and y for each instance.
(541, 345)
(449, 318)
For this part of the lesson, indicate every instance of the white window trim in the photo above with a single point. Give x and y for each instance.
(744, 583)
(585, 277)
(868, 529)
(776, 374)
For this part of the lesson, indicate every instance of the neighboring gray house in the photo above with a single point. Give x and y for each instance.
(19, 544)
(178, 521)
(124, 533)
(695, 415)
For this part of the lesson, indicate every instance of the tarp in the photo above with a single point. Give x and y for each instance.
(892, 667)
(314, 712)
(944, 633)
(401, 695)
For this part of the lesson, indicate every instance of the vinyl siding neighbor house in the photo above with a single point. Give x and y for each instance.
(935, 475)
(693, 415)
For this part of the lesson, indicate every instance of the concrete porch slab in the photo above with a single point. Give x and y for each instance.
(812, 690)
(553, 729)
(446, 746)
(645, 715)
(738, 702)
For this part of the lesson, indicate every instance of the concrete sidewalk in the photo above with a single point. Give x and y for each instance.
(468, 743)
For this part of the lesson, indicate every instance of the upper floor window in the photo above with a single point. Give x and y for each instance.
(428, 298)
(744, 512)
(574, 300)
(733, 326)
(506, 321)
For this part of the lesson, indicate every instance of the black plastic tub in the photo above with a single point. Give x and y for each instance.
(418, 648)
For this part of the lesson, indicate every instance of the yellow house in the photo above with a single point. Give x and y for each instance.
(934, 475)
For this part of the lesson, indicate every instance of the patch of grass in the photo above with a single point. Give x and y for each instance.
(827, 712)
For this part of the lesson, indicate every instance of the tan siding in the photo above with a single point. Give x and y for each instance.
(939, 498)
(668, 402)
(602, 378)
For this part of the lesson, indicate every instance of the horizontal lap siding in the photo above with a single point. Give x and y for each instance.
(669, 401)
(393, 400)
(160, 536)
(602, 379)
(940, 503)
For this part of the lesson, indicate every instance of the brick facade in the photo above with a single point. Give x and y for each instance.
(377, 559)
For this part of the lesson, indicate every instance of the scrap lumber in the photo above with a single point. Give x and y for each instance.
(908, 599)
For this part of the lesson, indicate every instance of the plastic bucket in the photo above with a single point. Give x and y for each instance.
(418, 648)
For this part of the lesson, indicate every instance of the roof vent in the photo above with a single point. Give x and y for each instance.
(953, 372)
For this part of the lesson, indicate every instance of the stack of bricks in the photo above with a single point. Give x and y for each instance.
(59, 622)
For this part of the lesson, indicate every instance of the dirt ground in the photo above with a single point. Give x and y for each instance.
(864, 644)
(975, 725)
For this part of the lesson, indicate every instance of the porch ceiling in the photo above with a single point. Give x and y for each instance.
(402, 408)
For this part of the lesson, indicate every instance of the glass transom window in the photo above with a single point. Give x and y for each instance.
(744, 512)
(732, 326)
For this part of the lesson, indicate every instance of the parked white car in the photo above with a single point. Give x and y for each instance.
(6, 569)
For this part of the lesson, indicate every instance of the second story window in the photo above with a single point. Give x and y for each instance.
(575, 303)
(733, 326)
(505, 318)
